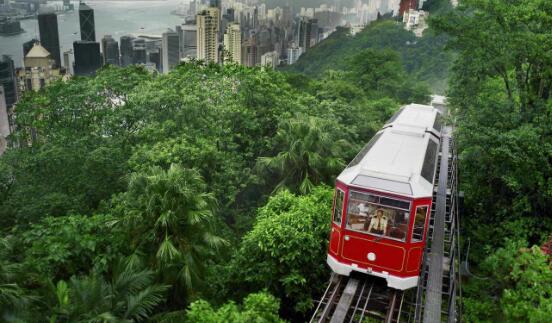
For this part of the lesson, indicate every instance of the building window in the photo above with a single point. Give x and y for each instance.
(381, 216)
(338, 206)
(419, 224)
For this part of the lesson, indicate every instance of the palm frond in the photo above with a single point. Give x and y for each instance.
(140, 305)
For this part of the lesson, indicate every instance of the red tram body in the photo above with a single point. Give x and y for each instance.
(383, 198)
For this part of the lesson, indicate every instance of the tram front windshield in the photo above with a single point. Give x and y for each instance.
(378, 215)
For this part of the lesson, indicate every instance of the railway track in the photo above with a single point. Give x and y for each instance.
(359, 298)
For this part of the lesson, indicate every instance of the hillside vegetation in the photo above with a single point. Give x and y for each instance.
(132, 195)
(205, 194)
(424, 59)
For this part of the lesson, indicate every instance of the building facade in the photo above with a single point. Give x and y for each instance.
(170, 50)
(8, 80)
(207, 35)
(87, 25)
(232, 43)
(87, 57)
(270, 60)
(110, 50)
(4, 122)
(189, 39)
(49, 35)
(39, 70)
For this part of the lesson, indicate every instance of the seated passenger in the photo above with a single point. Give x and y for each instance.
(378, 223)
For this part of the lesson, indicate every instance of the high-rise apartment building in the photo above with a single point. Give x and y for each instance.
(126, 50)
(304, 33)
(207, 35)
(49, 35)
(232, 43)
(39, 70)
(87, 57)
(110, 49)
(170, 50)
(250, 55)
(87, 25)
(270, 60)
(293, 54)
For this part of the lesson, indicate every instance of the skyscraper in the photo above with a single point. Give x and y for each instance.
(87, 57)
(207, 35)
(232, 43)
(139, 53)
(110, 49)
(126, 50)
(250, 55)
(87, 26)
(189, 39)
(170, 50)
(49, 35)
(304, 33)
(154, 57)
(8, 80)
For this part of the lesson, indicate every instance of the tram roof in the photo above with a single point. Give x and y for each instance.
(416, 117)
(401, 158)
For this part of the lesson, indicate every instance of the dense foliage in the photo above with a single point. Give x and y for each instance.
(130, 196)
(170, 174)
(501, 91)
(423, 59)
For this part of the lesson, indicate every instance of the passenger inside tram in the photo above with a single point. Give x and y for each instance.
(378, 223)
(369, 214)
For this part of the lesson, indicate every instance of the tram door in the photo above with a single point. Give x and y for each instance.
(337, 220)
(419, 229)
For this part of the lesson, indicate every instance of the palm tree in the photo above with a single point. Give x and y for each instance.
(310, 153)
(130, 296)
(14, 302)
(171, 216)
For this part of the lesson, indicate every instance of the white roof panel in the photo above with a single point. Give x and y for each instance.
(394, 161)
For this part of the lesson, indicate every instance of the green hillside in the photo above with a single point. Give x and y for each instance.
(423, 58)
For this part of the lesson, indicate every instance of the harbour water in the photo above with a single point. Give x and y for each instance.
(115, 18)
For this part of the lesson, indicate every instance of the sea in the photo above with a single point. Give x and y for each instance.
(115, 18)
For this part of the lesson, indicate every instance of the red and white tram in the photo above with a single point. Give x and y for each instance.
(383, 199)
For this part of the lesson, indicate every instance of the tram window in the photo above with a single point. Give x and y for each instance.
(371, 214)
(419, 223)
(338, 206)
(430, 159)
(437, 124)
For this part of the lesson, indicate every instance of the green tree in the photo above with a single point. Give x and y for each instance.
(285, 251)
(169, 215)
(259, 308)
(521, 277)
(311, 153)
(15, 301)
(131, 296)
(61, 247)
